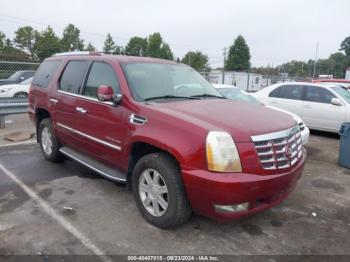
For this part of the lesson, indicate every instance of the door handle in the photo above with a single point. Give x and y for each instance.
(307, 106)
(53, 100)
(274, 102)
(81, 110)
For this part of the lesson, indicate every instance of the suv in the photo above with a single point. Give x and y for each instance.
(162, 129)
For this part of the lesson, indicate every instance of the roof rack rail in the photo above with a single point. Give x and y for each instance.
(77, 53)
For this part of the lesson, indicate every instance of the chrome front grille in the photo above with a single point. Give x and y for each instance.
(279, 150)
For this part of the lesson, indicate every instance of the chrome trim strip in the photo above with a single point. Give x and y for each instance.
(90, 137)
(91, 167)
(275, 135)
(85, 97)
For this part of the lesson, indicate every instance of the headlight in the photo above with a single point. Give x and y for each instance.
(4, 90)
(222, 153)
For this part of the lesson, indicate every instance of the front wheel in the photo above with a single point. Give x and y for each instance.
(159, 191)
(49, 143)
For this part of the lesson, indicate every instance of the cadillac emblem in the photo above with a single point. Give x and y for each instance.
(289, 151)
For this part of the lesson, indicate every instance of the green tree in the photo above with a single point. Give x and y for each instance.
(25, 38)
(10, 53)
(345, 46)
(166, 52)
(339, 64)
(137, 46)
(90, 47)
(2, 40)
(197, 60)
(157, 48)
(71, 39)
(109, 45)
(238, 56)
(46, 44)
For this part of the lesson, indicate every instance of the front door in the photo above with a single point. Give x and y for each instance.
(102, 125)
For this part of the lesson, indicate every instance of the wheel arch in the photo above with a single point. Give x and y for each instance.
(139, 149)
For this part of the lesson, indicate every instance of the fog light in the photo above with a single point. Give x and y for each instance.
(232, 208)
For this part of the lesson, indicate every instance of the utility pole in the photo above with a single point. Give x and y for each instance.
(315, 62)
(223, 68)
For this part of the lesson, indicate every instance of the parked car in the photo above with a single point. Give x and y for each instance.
(162, 129)
(321, 107)
(17, 77)
(20, 90)
(234, 93)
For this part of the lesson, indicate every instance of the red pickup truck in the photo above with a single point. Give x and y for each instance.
(162, 129)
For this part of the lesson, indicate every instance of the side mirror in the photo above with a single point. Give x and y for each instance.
(336, 102)
(106, 94)
(21, 78)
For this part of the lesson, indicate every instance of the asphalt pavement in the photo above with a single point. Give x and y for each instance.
(48, 208)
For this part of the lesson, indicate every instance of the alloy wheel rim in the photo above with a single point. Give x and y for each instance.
(153, 192)
(46, 140)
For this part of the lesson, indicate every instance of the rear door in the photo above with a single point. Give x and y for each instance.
(103, 125)
(318, 112)
(287, 97)
(63, 102)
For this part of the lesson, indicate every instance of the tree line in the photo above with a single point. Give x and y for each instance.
(30, 45)
(335, 65)
(34, 46)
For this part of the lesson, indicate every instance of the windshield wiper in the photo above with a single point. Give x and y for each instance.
(169, 96)
(208, 95)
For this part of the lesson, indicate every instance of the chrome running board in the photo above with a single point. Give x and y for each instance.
(98, 167)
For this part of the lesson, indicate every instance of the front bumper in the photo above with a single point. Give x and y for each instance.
(206, 189)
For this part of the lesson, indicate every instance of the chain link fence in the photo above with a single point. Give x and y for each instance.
(7, 68)
(249, 81)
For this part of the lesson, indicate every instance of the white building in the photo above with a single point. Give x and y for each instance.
(347, 74)
(243, 80)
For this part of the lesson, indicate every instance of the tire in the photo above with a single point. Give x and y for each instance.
(22, 95)
(178, 209)
(49, 143)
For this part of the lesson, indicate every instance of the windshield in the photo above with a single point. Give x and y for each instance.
(344, 93)
(236, 94)
(27, 81)
(15, 76)
(166, 82)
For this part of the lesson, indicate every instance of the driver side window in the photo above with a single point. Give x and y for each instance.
(100, 74)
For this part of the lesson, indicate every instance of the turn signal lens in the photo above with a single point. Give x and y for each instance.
(222, 153)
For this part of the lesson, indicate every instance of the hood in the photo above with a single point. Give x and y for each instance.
(242, 120)
(296, 118)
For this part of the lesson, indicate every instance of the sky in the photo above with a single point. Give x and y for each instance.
(276, 31)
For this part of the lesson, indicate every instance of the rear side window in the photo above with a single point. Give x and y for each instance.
(100, 74)
(318, 95)
(293, 92)
(72, 77)
(45, 73)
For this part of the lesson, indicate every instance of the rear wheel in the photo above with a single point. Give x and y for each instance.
(159, 191)
(49, 143)
(22, 95)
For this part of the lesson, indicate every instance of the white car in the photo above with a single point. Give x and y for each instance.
(20, 90)
(234, 93)
(322, 107)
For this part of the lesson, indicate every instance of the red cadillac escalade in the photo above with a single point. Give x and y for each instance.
(162, 129)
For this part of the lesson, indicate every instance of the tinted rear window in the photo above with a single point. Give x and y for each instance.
(45, 72)
(72, 76)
